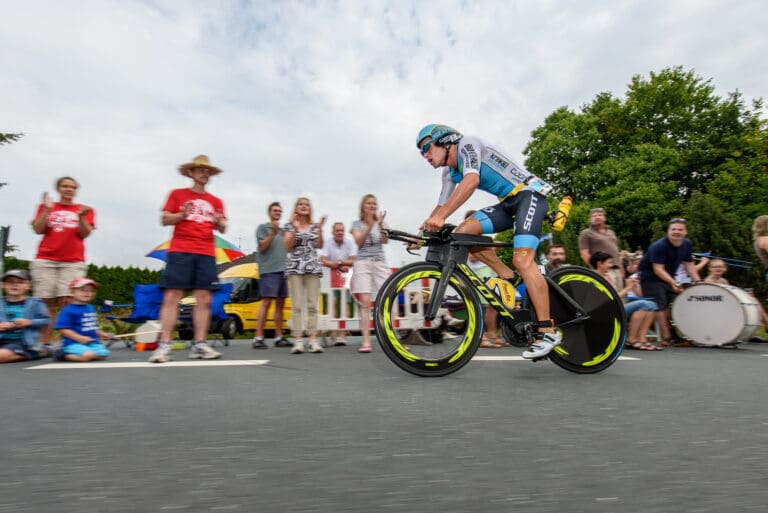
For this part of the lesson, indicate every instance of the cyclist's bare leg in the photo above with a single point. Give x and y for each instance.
(487, 255)
(535, 283)
(525, 264)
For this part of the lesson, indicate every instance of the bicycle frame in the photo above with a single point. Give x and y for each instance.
(452, 253)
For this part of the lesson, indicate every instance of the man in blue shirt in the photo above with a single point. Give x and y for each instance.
(657, 271)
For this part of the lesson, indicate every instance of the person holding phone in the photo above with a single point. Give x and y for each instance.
(370, 269)
(60, 259)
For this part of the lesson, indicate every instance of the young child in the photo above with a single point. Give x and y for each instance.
(717, 268)
(78, 324)
(21, 319)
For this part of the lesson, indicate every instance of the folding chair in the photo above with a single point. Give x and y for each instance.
(147, 299)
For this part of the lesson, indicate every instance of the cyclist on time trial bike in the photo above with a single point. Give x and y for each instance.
(470, 163)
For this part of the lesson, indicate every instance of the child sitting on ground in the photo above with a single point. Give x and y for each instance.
(21, 319)
(78, 324)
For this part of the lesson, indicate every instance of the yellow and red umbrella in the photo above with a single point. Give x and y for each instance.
(225, 251)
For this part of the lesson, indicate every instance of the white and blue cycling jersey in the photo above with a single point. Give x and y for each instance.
(499, 174)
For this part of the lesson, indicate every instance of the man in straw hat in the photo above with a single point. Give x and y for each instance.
(191, 263)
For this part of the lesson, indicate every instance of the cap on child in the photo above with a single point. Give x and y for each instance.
(82, 282)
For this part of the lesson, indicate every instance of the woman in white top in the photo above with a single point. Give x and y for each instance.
(370, 269)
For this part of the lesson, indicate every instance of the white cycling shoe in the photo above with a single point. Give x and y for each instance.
(543, 347)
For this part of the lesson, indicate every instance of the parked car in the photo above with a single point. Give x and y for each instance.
(242, 310)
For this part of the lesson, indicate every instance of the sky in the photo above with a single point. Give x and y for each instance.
(314, 98)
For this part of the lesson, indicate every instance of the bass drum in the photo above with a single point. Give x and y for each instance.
(709, 314)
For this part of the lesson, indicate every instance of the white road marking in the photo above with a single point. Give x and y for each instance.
(144, 365)
(520, 358)
(224, 363)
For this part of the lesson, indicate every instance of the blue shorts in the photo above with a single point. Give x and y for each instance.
(636, 305)
(80, 349)
(189, 271)
(273, 285)
(525, 211)
(19, 348)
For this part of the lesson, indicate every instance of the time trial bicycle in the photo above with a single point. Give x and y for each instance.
(444, 297)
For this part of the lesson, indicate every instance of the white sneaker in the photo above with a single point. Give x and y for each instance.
(298, 346)
(315, 347)
(542, 347)
(202, 351)
(162, 354)
(454, 322)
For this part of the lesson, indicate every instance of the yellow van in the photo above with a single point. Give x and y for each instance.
(243, 308)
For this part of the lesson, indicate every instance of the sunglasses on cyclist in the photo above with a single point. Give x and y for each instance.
(425, 148)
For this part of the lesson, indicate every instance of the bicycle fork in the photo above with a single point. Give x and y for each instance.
(435, 299)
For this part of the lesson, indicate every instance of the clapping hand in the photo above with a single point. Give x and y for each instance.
(47, 202)
(219, 221)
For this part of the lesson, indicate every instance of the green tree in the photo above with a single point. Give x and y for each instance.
(669, 147)
(9, 138)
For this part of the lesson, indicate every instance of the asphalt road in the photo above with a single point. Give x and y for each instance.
(682, 430)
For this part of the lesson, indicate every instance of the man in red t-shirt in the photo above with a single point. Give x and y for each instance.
(191, 262)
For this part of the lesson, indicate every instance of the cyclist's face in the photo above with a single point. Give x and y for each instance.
(434, 154)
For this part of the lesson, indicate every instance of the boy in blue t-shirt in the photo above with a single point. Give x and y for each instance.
(21, 319)
(78, 324)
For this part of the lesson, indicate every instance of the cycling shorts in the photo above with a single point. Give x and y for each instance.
(525, 211)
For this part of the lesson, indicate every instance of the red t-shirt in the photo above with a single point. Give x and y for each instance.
(61, 240)
(195, 233)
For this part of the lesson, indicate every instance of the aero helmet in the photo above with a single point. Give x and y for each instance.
(440, 134)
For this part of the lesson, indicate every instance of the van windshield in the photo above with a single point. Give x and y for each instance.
(238, 283)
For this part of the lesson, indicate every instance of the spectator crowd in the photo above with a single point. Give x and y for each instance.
(292, 255)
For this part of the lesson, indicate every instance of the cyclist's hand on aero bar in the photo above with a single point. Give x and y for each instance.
(434, 223)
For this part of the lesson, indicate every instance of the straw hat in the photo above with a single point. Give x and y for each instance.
(199, 161)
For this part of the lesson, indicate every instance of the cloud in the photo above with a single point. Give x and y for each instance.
(319, 98)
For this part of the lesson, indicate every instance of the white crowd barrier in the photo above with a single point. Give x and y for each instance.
(339, 311)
